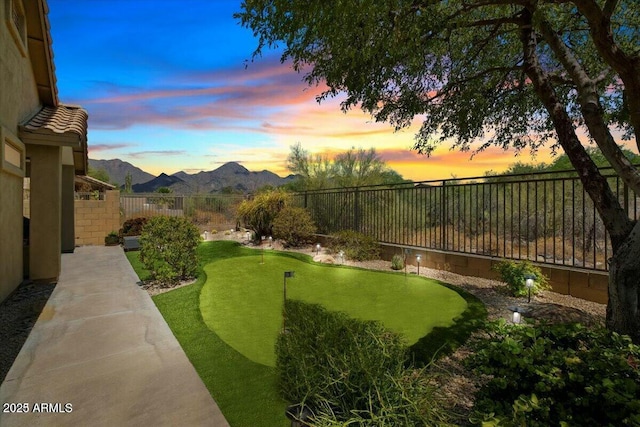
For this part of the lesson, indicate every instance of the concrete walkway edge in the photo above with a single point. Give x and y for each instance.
(101, 354)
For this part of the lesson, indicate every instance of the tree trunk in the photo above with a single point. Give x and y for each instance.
(623, 313)
(624, 273)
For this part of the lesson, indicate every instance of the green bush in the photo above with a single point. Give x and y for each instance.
(168, 248)
(133, 227)
(562, 375)
(514, 274)
(293, 226)
(350, 372)
(397, 262)
(356, 246)
(258, 213)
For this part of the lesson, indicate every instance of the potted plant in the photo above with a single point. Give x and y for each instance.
(112, 239)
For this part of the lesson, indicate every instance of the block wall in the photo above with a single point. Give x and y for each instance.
(588, 285)
(97, 218)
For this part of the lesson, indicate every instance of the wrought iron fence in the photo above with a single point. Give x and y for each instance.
(206, 211)
(545, 217)
(89, 195)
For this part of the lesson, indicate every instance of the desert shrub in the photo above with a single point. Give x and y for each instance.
(557, 375)
(258, 213)
(112, 238)
(356, 246)
(397, 262)
(350, 372)
(293, 226)
(168, 248)
(514, 275)
(133, 226)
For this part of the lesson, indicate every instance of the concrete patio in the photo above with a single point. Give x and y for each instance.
(101, 354)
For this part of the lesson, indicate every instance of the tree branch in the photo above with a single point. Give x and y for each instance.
(589, 100)
(614, 217)
(625, 65)
(609, 8)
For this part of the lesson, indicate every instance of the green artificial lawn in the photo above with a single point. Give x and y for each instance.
(246, 391)
(242, 299)
(134, 260)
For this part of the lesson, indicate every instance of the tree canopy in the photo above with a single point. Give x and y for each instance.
(352, 168)
(562, 163)
(511, 73)
(99, 174)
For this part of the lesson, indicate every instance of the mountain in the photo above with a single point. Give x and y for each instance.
(117, 171)
(231, 176)
(163, 180)
(228, 177)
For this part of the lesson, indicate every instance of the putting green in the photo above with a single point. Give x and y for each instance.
(242, 298)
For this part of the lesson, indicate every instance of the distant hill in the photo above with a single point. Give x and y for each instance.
(117, 171)
(163, 180)
(230, 176)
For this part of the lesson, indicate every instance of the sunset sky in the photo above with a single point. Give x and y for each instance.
(167, 88)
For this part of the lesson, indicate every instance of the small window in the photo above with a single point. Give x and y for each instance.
(12, 158)
(17, 24)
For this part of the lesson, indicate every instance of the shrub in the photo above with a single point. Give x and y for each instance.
(168, 248)
(258, 214)
(514, 275)
(293, 226)
(133, 227)
(356, 246)
(112, 238)
(557, 375)
(397, 262)
(350, 372)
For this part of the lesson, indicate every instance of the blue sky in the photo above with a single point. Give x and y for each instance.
(168, 88)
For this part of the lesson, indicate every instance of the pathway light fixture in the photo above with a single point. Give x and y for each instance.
(418, 259)
(516, 314)
(529, 282)
(270, 241)
(341, 256)
(318, 249)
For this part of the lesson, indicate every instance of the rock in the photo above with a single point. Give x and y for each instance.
(324, 258)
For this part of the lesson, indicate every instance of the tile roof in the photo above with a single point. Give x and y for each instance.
(94, 182)
(63, 120)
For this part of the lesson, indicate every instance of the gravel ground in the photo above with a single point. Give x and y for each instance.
(18, 314)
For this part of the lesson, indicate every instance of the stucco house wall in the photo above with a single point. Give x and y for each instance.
(18, 101)
(40, 139)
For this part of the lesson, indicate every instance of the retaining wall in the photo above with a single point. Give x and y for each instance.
(588, 285)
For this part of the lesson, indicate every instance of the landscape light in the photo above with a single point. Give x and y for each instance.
(529, 280)
(270, 241)
(318, 249)
(418, 259)
(248, 236)
(341, 256)
(516, 316)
